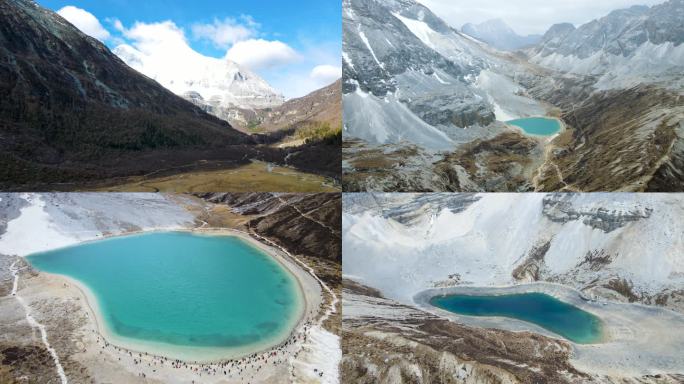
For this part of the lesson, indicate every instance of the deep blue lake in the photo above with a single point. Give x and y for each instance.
(543, 310)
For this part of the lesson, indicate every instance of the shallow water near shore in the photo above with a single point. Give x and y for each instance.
(537, 126)
(183, 290)
(543, 310)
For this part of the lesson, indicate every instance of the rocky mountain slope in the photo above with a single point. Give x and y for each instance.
(499, 35)
(627, 46)
(321, 106)
(74, 115)
(304, 224)
(390, 62)
(71, 109)
(425, 106)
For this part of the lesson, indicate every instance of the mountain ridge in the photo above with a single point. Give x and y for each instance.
(499, 35)
(221, 83)
(426, 107)
(74, 115)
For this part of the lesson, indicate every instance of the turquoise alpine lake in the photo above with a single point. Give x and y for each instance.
(543, 310)
(182, 289)
(538, 126)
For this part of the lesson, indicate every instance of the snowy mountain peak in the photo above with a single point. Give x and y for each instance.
(221, 83)
(491, 26)
(634, 42)
(498, 34)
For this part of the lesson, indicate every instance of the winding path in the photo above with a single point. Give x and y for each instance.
(35, 324)
(306, 215)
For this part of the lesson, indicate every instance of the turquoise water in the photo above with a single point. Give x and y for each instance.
(543, 310)
(183, 289)
(540, 126)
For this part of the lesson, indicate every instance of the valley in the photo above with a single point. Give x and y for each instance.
(74, 114)
(412, 83)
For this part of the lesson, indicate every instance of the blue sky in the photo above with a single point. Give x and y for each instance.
(310, 32)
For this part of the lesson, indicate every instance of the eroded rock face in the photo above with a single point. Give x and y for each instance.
(620, 32)
(307, 224)
(559, 208)
(382, 56)
(408, 209)
(394, 48)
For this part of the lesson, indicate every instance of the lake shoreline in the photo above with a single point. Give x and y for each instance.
(197, 355)
(629, 328)
(531, 307)
(548, 137)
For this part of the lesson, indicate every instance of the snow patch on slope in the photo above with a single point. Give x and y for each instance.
(20, 238)
(322, 352)
(388, 120)
(505, 95)
(63, 219)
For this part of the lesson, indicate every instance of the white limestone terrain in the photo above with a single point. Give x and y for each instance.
(616, 255)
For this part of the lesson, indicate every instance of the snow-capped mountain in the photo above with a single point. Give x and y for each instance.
(626, 46)
(402, 244)
(409, 77)
(216, 85)
(71, 110)
(498, 34)
(425, 105)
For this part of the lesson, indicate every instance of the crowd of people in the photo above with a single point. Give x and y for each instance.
(245, 368)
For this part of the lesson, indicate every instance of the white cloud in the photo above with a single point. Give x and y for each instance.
(296, 80)
(158, 37)
(262, 54)
(527, 16)
(226, 32)
(118, 25)
(85, 21)
(161, 51)
(326, 74)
